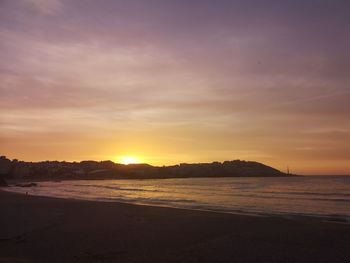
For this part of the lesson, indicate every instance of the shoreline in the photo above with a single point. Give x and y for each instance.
(44, 229)
(336, 219)
(329, 218)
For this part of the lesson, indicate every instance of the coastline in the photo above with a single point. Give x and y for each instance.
(295, 198)
(44, 229)
(339, 219)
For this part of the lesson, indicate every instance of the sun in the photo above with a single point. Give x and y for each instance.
(129, 160)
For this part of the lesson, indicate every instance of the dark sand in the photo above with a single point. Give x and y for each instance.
(38, 229)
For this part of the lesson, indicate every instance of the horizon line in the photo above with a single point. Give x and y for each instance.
(144, 163)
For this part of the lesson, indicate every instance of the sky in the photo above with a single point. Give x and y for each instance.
(166, 82)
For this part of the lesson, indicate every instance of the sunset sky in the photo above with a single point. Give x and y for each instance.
(177, 81)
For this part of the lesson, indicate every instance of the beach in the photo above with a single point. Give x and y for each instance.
(42, 229)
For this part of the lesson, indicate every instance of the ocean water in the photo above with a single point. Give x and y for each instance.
(291, 196)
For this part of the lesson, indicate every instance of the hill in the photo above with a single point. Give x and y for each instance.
(55, 170)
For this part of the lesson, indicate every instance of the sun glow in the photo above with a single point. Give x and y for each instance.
(128, 160)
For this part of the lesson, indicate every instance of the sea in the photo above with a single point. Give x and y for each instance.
(310, 196)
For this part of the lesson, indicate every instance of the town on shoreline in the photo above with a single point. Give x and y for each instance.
(56, 170)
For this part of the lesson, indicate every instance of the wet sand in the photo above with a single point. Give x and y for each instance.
(40, 229)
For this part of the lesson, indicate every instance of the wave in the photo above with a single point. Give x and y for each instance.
(306, 193)
(277, 196)
(117, 188)
(259, 194)
(290, 195)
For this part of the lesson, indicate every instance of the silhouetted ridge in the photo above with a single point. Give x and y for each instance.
(5, 167)
(109, 170)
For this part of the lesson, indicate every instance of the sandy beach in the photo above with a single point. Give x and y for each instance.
(40, 229)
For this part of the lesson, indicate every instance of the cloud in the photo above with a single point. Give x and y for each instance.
(215, 80)
(45, 7)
